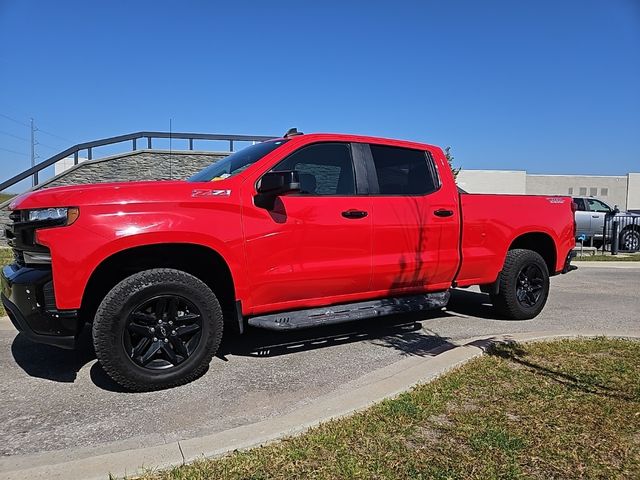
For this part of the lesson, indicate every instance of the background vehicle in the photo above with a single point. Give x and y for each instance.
(591, 215)
(296, 232)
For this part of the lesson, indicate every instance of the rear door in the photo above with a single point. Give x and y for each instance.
(583, 218)
(415, 222)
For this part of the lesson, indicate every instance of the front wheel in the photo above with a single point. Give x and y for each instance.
(523, 285)
(156, 329)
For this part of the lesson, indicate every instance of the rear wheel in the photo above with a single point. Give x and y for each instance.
(630, 240)
(157, 329)
(523, 285)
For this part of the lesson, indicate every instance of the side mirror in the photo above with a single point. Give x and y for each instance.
(273, 184)
(616, 210)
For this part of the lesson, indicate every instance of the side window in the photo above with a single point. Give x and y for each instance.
(597, 206)
(324, 169)
(580, 204)
(402, 171)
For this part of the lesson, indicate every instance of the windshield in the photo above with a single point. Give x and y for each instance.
(236, 162)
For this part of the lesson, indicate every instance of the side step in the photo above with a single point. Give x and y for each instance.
(348, 312)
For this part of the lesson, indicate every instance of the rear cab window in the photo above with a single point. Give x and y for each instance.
(580, 205)
(404, 171)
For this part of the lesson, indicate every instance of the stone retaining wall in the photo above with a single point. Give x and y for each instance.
(132, 166)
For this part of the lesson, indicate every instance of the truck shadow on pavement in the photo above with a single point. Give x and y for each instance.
(403, 333)
(53, 363)
(473, 304)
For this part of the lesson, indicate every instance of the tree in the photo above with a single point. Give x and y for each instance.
(447, 153)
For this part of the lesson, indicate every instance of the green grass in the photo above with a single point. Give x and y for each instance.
(598, 257)
(564, 409)
(6, 257)
(6, 196)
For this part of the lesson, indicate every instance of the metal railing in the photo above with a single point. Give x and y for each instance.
(133, 138)
(622, 232)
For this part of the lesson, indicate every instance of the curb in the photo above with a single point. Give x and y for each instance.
(606, 264)
(351, 397)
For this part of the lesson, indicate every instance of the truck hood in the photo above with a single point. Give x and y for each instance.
(120, 193)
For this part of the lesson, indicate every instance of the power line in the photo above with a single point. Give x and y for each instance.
(54, 135)
(13, 151)
(14, 120)
(14, 136)
(38, 128)
(40, 144)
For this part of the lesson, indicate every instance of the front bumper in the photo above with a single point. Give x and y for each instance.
(28, 297)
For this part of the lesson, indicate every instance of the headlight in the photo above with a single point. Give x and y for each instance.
(61, 216)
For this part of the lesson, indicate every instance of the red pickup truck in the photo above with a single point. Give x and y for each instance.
(295, 232)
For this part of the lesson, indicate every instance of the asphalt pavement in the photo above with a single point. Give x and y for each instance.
(56, 400)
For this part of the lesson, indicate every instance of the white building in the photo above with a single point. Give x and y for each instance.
(65, 164)
(621, 190)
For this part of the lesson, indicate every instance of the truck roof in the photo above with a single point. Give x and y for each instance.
(343, 137)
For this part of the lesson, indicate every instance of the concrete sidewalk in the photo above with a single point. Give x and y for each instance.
(356, 395)
(606, 264)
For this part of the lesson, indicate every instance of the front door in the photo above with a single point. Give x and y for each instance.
(314, 247)
(598, 211)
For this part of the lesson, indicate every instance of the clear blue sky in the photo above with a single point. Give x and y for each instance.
(546, 86)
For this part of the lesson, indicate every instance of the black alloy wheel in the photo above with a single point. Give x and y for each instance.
(630, 241)
(529, 285)
(163, 332)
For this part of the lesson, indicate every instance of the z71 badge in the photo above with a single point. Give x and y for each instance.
(210, 193)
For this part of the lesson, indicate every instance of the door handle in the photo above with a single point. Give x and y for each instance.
(443, 212)
(354, 214)
(595, 216)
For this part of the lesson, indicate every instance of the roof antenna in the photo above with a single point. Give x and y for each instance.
(292, 132)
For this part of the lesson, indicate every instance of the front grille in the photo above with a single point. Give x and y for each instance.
(20, 235)
(9, 231)
(49, 296)
(18, 257)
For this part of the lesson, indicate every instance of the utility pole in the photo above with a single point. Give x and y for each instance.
(34, 178)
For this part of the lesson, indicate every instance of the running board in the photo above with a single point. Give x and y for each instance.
(315, 317)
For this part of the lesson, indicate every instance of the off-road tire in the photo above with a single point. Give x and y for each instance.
(111, 319)
(506, 301)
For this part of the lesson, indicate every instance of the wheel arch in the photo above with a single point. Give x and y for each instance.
(634, 227)
(200, 261)
(541, 243)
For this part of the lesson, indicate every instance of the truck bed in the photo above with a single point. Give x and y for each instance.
(490, 221)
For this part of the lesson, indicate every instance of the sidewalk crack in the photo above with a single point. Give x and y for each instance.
(181, 452)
